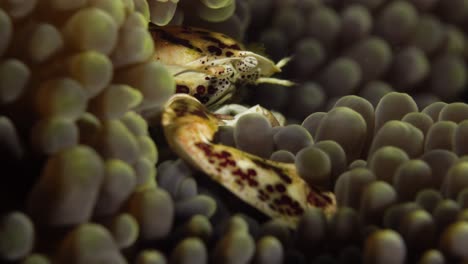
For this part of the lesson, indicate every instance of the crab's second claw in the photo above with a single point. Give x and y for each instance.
(272, 187)
(231, 114)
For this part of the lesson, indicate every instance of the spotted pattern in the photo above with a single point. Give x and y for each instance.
(275, 195)
(279, 201)
(224, 160)
(205, 90)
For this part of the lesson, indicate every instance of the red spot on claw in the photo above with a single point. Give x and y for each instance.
(253, 183)
(286, 200)
(251, 172)
(225, 154)
(201, 89)
(280, 188)
(269, 188)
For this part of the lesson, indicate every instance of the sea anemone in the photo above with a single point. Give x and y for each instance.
(377, 117)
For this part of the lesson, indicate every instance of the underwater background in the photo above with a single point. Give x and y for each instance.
(378, 116)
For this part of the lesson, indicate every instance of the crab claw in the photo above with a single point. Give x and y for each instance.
(274, 188)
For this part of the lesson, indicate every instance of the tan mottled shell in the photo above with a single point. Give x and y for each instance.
(178, 45)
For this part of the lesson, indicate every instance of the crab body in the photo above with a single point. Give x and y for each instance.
(209, 65)
(207, 68)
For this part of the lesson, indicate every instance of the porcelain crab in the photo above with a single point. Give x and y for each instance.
(208, 67)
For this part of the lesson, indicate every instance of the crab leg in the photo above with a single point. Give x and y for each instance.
(272, 187)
